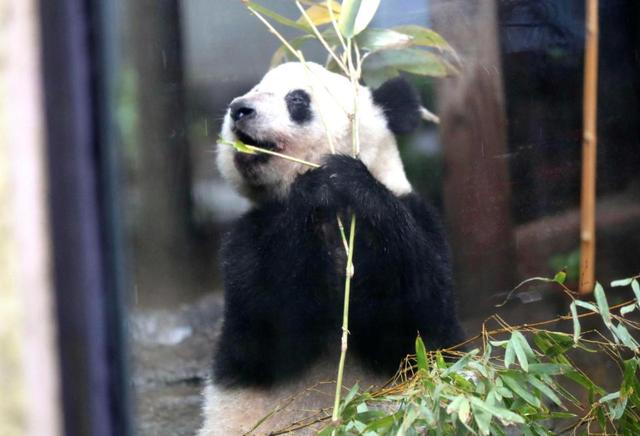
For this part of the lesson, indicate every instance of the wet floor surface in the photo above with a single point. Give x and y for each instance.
(171, 356)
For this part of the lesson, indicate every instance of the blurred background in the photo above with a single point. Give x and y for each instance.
(141, 88)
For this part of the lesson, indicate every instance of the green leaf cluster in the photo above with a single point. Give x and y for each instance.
(411, 49)
(524, 382)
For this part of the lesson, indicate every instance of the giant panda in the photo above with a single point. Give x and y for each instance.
(283, 262)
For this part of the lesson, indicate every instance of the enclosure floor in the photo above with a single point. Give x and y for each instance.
(171, 355)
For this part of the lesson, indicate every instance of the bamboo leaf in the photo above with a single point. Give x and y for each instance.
(630, 368)
(576, 322)
(464, 411)
(481, 417)
(544, 389)
(603, 306)
(347, 21)
(424, 37)
(609, 397)
(504, 392)
(520, 390)
(421, 354)
(411, 60)
(583, 381)
(549, 368)
(621, 282)
(624, 336)
(373, 77)
(356, 16)
(499, 343)
(618, 409)
(440, 360)
(552, 343)
(562, 415)
(560, 277)
(454, 405)
(526, 431)
(282, 52)
(523, 343)
(238, 145)
(520, 354)
(509, 355)
(602, 420)
(370, 415)
(382, 39)
(624, 310)
(635, 286)
(505, 415)
(461, 363)
(327, 431)
(319, 14)
(586, 305)
(350, 395)
(381, 424)
(276, 17)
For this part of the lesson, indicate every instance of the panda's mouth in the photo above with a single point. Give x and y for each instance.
(248, 163)
(249, 140)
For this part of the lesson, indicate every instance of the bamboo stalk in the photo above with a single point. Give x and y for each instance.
(345, 320)
(589, 147)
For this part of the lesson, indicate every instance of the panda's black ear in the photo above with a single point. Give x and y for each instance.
(401, 104)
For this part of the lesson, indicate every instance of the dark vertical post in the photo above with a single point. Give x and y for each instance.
(473, 133)
(91, 351)
(165, 262)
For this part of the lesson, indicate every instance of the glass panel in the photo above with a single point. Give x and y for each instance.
(502, 168)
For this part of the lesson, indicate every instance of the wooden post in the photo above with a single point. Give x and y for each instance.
(589, 147)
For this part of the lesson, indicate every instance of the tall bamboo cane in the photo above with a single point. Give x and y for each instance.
(589, 146)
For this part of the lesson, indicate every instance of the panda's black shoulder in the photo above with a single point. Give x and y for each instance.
(429, 220)
(400, 103)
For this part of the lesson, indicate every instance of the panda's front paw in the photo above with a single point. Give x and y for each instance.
(347, 175)
(332, 186)
(312, 190)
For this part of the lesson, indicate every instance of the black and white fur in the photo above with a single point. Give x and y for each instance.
(284, 263)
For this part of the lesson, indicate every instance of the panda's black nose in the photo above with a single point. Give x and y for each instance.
(240, 109)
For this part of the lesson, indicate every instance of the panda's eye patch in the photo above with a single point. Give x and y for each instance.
(298, 104)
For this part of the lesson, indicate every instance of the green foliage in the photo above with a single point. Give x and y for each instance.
(356, 15)
(569, 262)
(386, 52)
(518, 378)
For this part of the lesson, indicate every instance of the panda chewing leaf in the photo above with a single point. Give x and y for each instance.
(238, 145)
(251, 149)
(248, 140)
(283, 261)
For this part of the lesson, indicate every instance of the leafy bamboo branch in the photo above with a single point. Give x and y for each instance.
(520, 377)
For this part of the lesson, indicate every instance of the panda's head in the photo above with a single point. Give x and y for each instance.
(295, 109)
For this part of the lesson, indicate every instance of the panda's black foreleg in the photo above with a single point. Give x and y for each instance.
(403, 282)
(344, 185)
(275, 305)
